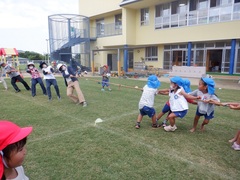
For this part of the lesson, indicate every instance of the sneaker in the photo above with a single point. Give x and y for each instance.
(137, 126)
(170, 128)
(236, 146)
(110, 89)
(102, 89)
(18, 91)
(59, 98)
(84, 104)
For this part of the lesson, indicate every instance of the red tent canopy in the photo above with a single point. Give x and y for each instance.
(8, 51)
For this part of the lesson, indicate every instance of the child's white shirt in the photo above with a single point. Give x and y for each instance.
(21, 175)
(177, 101)
(147, 98)
(48, 76)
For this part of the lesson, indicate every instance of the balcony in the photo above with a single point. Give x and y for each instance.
(205, 16)
(105, 30)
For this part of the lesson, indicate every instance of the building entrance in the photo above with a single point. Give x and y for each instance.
(214, 60)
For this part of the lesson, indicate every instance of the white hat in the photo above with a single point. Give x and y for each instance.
(30, 63)
(59, 66)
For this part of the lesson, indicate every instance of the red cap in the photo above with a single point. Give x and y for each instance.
(10, 133)
(106, 66)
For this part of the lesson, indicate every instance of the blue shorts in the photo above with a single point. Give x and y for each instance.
(180, 114)
(205, 115)
(147, 111)
(166, 108)
(105, 82)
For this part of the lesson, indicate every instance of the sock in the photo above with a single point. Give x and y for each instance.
(165, 121)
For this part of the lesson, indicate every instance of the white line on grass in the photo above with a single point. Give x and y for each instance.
(132, 139)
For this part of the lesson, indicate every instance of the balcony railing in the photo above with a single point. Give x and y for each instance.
(105, 30)
(206, 16)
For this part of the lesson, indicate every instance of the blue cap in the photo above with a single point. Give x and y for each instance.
(211, 85)
(177, 80)
(153, 82)
(187, 85)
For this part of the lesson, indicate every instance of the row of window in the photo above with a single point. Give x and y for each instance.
(192, 12)
(215, 56)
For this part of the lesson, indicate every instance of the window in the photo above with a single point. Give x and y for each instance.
(238, 61)
(182, 6)
(158, 11)
(202, 4)
(167, 64)
(199, 58)
(174, 7)
(193, 5)
(214, 3)
(151, 53)
(182, 10)
(236, 11)
(144, 16)
(100, 27)
(165, 13)
(165, 10)
(174, 14)
(118, 21)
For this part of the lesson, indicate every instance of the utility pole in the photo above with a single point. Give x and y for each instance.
(47, 51)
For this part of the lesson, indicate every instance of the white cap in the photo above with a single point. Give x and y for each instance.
(30, 63)
(59, 66)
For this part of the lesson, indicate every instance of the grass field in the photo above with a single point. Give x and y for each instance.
(65, 144)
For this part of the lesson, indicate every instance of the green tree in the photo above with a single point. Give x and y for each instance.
(31, 55)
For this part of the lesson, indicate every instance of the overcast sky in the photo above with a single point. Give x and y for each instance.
(24, 23)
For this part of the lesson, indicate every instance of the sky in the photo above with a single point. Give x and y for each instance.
(24, 23)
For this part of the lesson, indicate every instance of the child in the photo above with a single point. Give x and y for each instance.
(236, 139)
(206, 105)
(187, 88)
(72, 83)
(147, 101)
(15, 76)
(105, 78)
(12, 150)
(36, 78)
(50, 80)
(177, 101)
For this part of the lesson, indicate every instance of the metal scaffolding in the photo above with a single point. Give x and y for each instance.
(69, 38)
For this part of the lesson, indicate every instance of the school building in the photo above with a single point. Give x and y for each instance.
(136, 34)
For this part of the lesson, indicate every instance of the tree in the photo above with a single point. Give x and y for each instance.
(31, 55)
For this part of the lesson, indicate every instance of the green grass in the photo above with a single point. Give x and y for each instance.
(65, 144)
(222, 74)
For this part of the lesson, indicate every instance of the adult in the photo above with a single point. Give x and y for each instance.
(72, 83)
(15, 76)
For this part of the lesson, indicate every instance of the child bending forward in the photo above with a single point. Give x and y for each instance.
(147, 101)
